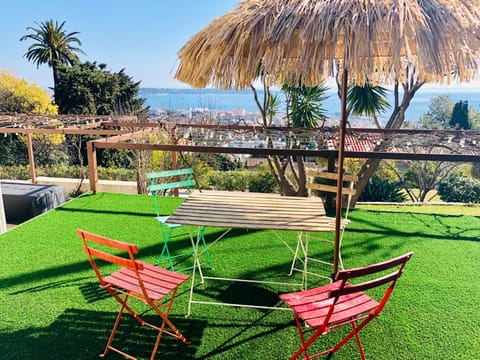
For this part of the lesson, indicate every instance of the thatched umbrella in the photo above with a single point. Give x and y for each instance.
(305, 41)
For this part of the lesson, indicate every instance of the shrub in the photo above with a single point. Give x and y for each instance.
(118, 174)
(262, 181)
(381, 190)
(475, 170)
(460, 189)
(232, 180)
(19, 172)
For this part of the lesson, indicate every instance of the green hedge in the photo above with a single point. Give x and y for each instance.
(22, 172)
(260, 180)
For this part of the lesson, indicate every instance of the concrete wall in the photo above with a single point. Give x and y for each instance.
(124, 187)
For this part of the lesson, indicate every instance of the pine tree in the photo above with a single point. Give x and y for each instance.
(459, 119)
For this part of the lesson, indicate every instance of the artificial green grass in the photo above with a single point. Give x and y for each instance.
(51, 306)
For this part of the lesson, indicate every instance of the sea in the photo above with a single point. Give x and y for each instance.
(213, 99)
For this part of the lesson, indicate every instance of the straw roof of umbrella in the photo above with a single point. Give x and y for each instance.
(302, 41)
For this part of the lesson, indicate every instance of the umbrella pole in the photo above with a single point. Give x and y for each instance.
(341, 149)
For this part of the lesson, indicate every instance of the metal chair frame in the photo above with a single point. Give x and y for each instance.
(160, 183)
(343, 302)
(134, 279)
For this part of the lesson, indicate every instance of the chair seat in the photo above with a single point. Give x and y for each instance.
(313, 305)
(163, 220)
(158, 282)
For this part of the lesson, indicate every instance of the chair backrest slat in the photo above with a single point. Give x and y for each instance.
(330, 188)
(330, 175)
(396, 265)
(169, 173)
(118, 260)
(120, 245)
(106, 251)
(161, 181)
(324, 181)
(351, 289)
(372, 269)
(172, 185)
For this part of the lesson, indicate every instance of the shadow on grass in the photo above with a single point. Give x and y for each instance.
(443, 227)
(52, 272)
(106, 212)
(238, 293)
(91, 292)
(240, 331)
(82, 334)
(52, 285)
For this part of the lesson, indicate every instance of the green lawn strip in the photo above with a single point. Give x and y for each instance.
(51, 306)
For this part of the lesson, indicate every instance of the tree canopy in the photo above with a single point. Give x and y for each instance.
(438, 114)
(444, 113)
(89, 88)
(19, 96)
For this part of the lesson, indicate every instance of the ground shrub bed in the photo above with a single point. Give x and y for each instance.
(52, 307)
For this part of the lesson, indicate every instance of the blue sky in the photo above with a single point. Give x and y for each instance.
(142, 36)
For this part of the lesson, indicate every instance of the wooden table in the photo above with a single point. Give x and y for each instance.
(225, 209)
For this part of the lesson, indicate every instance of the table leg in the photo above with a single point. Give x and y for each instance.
(196, 264)
(295, 254)
(305, 243)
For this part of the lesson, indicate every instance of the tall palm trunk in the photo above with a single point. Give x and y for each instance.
(55, 82)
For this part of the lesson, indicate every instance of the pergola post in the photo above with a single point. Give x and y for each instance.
(174, 155)
(3, 220)
(31, 159)
(92, 166)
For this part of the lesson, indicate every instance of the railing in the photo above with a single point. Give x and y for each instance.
(125, 132)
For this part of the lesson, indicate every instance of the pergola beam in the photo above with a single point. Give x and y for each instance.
(287, 152)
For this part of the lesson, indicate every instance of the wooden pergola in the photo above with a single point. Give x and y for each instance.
(126, 132)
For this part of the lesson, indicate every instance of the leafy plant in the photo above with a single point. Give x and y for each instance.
(459, 119)
(304, 104)
(475, 170)
(232, 180)
(381, 190)
(368, 100)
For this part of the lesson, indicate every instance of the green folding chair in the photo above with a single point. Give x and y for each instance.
(161, 184)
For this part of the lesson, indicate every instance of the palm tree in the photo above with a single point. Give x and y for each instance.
(304, 105)
(304, 109)
(52, 46)
(368, 100)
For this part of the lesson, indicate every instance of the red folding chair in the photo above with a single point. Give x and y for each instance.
(343, 302)
(134, 279)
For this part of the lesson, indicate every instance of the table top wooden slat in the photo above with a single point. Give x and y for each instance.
(253, 211)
